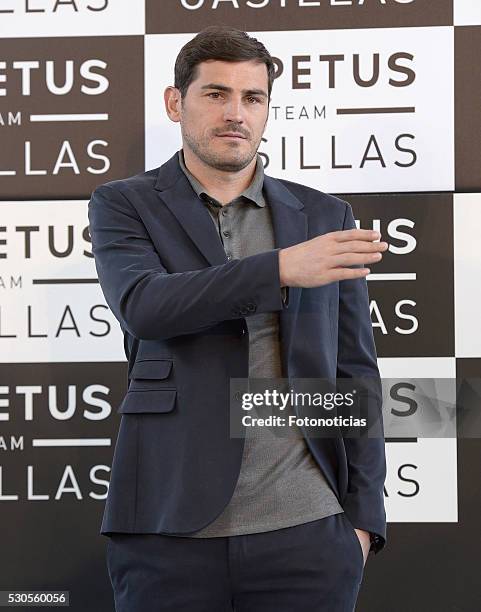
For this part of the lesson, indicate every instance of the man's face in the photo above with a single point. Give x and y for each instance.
(224, 113)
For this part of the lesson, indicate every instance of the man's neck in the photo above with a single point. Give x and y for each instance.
(223, 186)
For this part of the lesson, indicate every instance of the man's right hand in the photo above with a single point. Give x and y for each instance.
(324, 259)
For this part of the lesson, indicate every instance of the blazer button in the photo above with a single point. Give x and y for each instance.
(252, 307)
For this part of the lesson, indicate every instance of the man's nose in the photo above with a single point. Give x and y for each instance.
(233, 111)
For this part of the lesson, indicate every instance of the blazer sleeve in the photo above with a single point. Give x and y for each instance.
(151, 303)
(365, 448)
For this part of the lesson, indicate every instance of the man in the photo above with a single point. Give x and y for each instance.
(216, 271)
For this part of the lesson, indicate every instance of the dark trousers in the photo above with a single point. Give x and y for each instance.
(315, 566)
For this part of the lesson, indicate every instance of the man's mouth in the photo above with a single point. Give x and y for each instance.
(231, 135)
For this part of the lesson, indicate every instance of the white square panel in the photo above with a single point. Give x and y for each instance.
(467, 274)
(467, 12)
(421, 481)
(80, 18)
(394, 134)
(52, 307)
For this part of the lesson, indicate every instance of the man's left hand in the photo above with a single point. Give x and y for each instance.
(365, 540)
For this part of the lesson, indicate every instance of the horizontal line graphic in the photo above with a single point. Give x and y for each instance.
(383, 276)
(71, 117)
(48, 442)
(376, 110)
(64, 281)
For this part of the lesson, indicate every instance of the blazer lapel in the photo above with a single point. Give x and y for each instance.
(177, 193)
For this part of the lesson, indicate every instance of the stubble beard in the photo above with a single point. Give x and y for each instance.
(223, 162)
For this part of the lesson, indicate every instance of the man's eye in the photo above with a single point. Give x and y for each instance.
(252, 99)
(214, 93)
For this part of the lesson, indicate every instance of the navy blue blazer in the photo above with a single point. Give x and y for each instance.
(182, 306)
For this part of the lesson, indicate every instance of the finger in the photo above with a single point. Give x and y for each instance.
(358, 246)
(338, 274)
(355, 234)
(352, 259)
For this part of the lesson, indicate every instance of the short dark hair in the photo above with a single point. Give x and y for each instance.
(219, 42)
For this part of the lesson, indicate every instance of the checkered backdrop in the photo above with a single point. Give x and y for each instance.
(375, 101)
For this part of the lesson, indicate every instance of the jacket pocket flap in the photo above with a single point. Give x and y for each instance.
(151, 368)
(151, 401)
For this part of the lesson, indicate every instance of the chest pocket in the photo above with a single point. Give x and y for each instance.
(151, 387)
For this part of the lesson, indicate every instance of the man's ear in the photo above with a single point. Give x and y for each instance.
(173, 103)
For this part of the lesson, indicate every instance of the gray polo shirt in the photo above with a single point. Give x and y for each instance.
(280, 484)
